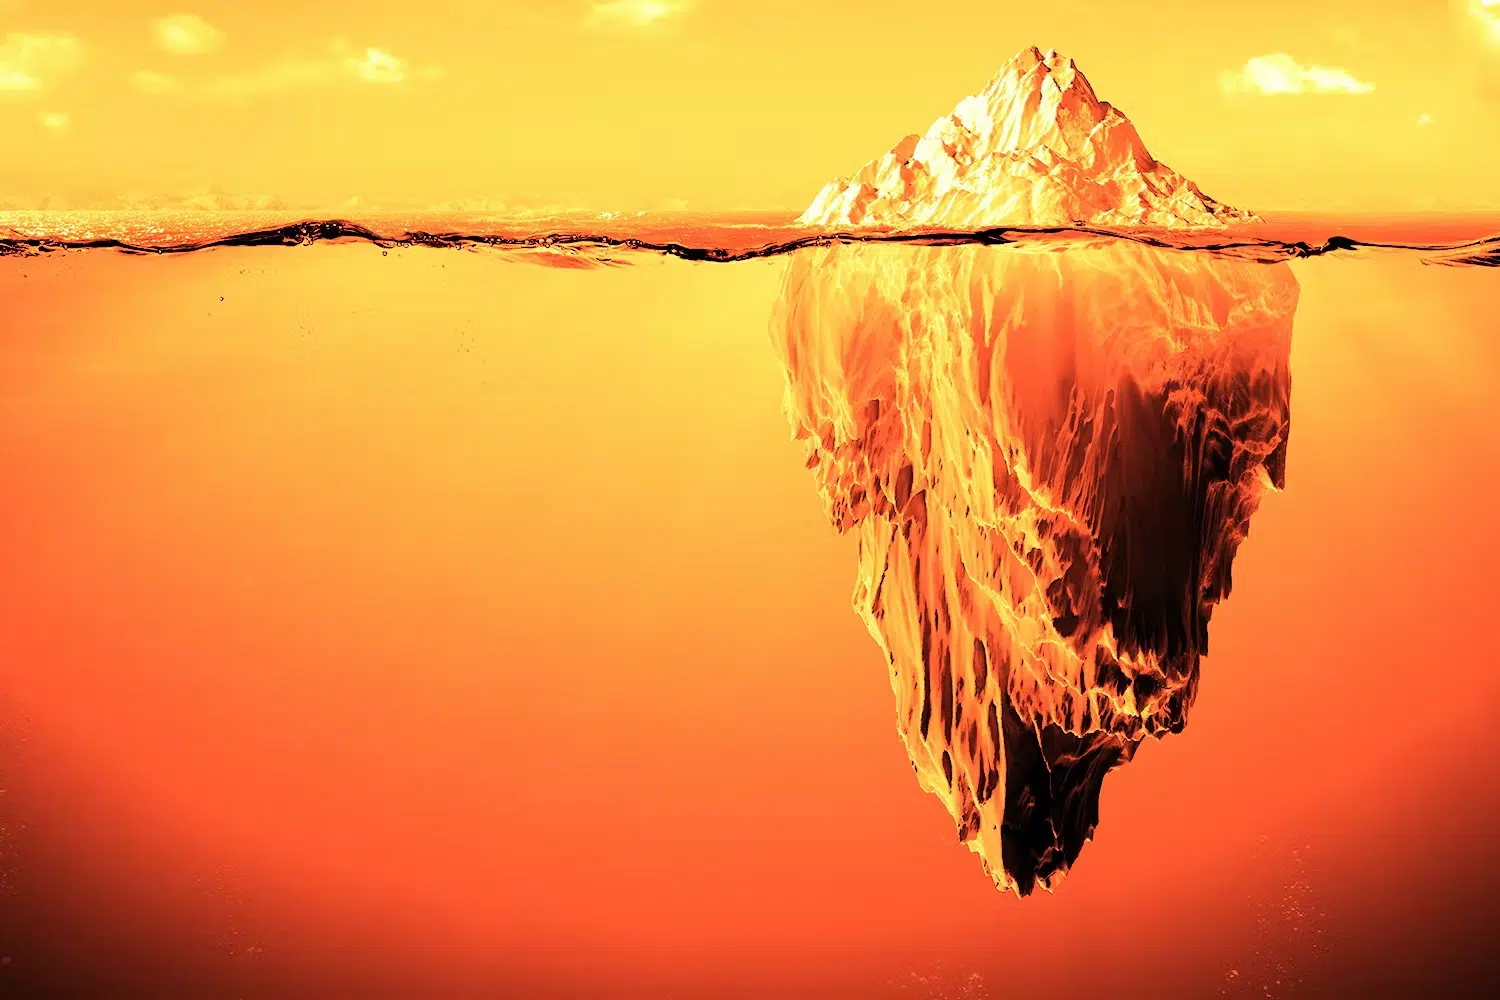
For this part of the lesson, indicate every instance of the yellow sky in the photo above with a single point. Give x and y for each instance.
(720, 104)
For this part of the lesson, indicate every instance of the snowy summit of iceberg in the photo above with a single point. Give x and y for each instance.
(1036, 147)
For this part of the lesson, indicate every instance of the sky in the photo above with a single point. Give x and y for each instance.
(1294, 105)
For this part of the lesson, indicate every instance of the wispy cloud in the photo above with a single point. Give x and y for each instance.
(1486, 14)
(343, 64)
(34, 61)
(376, 66)
(186, 35)
(1424, 120)
(1279, 74)
(633, 13)
(55, 121)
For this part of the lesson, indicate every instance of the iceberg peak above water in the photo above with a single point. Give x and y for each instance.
(1035, 147)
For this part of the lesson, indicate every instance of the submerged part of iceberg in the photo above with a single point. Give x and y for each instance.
(1049, 459)
(1035, 147)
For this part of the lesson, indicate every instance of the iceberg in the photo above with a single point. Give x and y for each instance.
(1036, 147)
(1049, 460)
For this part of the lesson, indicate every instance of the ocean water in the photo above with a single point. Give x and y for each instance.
(393, 618)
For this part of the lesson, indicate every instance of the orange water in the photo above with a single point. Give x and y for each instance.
(431, 625)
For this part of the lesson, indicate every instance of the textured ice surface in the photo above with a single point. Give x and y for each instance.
(1035, 147)
(1049, 459)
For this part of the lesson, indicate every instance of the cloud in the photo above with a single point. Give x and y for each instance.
(1424, 120)
(376, 66)
(186, 35)
(633, 13)
(30, 62)
(1487, 14)
(343, 64)
(55, 121)
(1278, 74)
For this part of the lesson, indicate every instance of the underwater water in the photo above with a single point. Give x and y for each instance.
(386, 620)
